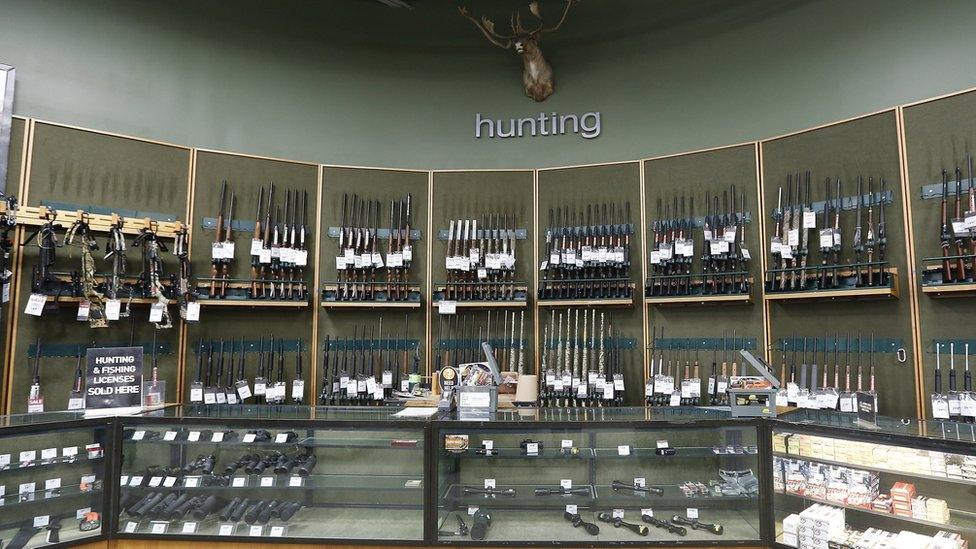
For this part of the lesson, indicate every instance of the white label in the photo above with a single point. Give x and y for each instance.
(655, 257)
(719, 247)
(618, 514)
(566, 483)
(158, 528)
(407, 252)
(156, 312)
(113, 307)
(49, 453)
(35, 304)
(265, 256)
(189, 528)
(217, 437)
(249, 438)
(675, 400)
(256, 245)
(472, 509)
(847, 404)
(970, 220)
(267, 482)
(277, 531)
(136, 481)
(69, 451)
(793, 237)
(193, 312)
(447, 307)
(243, 391)
(193, 436)
(26, 488)
(572, 509)
(691, 512)
(4, 461)
(532, 448)
(729, 234)
(623, 450)
(281, 438)
(138, 435)
(826, 238)
(940, 407)
(5, 295)
(647, 512)
(52, 484)
(225, 530)
(959, 227)
(662, 444)
(566, 443)
(196, 394)
(191, 482)
(217, 250)
(809, 220)
(786, 252)
(474, 400)
(154, 482)
(80, 513)
(238, 482)
(83, 308)
(297, 388)
(745, 253)
(295, 482)
(640, 482)
(130, 527)
(489, 483)
(394, 260)
(488, 444)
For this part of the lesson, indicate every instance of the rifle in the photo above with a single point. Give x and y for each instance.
(243, 391)
(405, 247)
(218, 241)
(260, 384)
(838, 196)
(228, 245)
(960, 263)
(870, 241)
(743, 251)
(856, 243)
(76, 397)
(229, 390)
(788, 245)
(326, 389)
(341, 260)
(298, 384)
(266, 245)
(804, 234)
(777, 242)
(34, 398)
(256, 248)
(883, 239)
(288, 244)
(220, 395)
(826, 246)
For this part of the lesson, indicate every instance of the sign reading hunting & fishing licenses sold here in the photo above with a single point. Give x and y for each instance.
(114, 378)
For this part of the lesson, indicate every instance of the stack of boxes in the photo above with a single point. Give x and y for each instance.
(876, 538)
(902, 494)
(817, 524)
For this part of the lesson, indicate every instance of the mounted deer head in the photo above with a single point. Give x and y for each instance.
(536, 71)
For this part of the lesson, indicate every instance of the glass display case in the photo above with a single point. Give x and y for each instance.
(600, 476)
(52, 478)
(273, 472)
(838, 483)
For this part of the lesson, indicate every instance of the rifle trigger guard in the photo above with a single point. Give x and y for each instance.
(901, 355)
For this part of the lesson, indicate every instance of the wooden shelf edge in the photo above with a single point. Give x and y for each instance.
(620, 302)
(486, 304)
(135, 300)
(847, 295)
(250, 303)
(950, 290)
(699, 300)
(371, 305)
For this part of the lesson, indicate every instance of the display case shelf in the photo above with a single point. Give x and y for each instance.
(876, 469)
(369, 483)
(699, 300)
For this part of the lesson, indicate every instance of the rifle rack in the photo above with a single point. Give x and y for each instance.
(330, 292)
(238, 294)
(69, 350)
(36, 216)
(123, 300)
(591, 302)
(704, 343)
(842, 294)
(697, 282)
(250, 346)
(935, 286)
(520, 296)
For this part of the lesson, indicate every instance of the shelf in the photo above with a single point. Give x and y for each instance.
(605, 302)
(371, 304)
(516, 453)
(252, 303)
(672, 497)
(58, 461)
(954, 514)
(601, 453)
(14, 500)
(123, 300)
(486, 304)
(369, 483)
(699, 300)
(304, 442)
(949, 289)
(524, 496)
(844, 294)
(36, 216)
(876, 469)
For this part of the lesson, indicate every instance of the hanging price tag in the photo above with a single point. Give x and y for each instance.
(193, 312)
(156, 312)
(113, 307)
(35, 304)
(225, 530)
(189, 528)
(445, 307)
(809, 219)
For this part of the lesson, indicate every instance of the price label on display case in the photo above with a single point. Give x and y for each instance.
(572, 509)
(618, 514)
(189, 528)
(647, 512)
(225, 530)
(691, 512)
(130, 527)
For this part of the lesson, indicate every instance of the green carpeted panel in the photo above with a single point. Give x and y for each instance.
(694, 175)
(938, 135)
(610, 183)
(87, 168)
(867, 147)
(382, 185)
(246, 176)
(470, 195)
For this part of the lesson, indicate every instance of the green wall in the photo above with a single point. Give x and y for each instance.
(358, 83)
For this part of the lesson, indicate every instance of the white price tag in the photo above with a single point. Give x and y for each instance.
(113, 308)
(618, 514)
(281, 438)
(238, 482)
(265, 256)
(80, 513)
(488, 444)
(793, 237)
(692, 512)
(472, 509)
(191, 482)
(70, 451)
(623, 450)
(267, 482)
(138, 435)
(566, 443)
(35, 304)
(277, 531)
(532, 448)
(189, 528)
(156, 312)
(193, 436)
(158, 528)
(566, 483)
(217, 437)
(572, 509)
(49, 453)
(255, 530)
(154, 482)
(193, 312)
(445, 307)
(489, 483)
(809, 220)
(662, 444)
(136, 480)
(130, 527)
(225, 530)
(249, 438)
(26, 488)
(295, 481)
(52, 484)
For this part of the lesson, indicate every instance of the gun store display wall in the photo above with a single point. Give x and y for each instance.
(327, 329)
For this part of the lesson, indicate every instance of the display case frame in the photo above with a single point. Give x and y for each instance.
(47, 424)
(589, 422)
(272, 418)
(922, 435)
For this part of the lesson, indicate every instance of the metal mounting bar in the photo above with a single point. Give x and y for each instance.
(623, 342)
(881, 344)
(520, 234)
(934, 190)
(698, 222)
(339, 344)
(944, 346)
(69, 350)
(415, 234)
(241, 225)
(849, 203)
(703, 343)
(250, 346)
